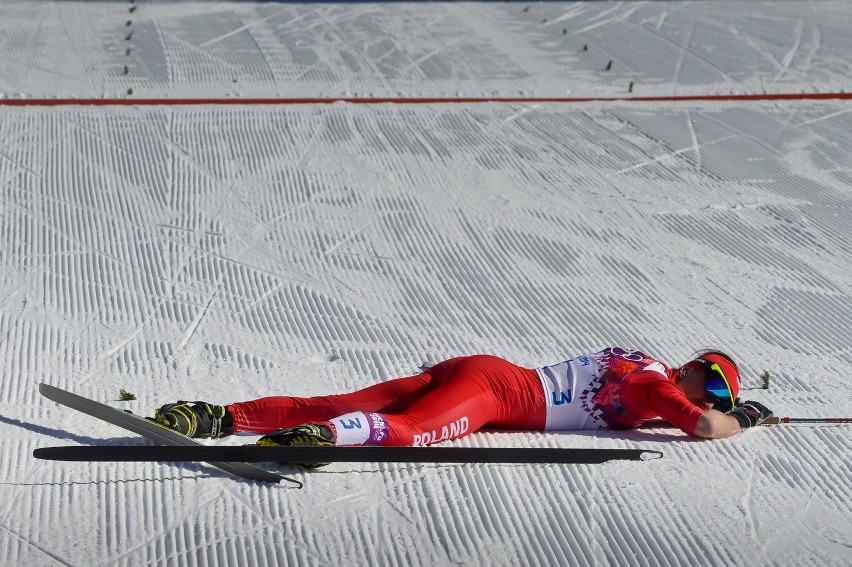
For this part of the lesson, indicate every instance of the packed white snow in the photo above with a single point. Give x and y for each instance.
(224, 253)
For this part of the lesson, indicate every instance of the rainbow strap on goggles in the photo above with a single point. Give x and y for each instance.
(717, 387)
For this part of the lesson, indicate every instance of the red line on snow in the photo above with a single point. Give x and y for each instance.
(404, 100)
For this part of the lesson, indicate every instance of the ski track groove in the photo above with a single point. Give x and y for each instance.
(831, 482)
(117, 223)
(302, 50)
(788, 57)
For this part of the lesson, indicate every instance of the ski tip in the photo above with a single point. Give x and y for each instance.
(650, 455)
(40, 453)
(47, 390)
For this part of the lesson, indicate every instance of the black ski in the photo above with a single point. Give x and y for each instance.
(315, 454)
(153, 431)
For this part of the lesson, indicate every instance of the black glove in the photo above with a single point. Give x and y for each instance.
(750, 413)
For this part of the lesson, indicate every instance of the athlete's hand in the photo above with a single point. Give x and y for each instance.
(750, 413)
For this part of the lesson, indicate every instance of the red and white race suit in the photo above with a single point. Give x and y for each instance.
(613, 388)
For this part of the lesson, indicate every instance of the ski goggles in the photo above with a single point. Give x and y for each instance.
(716, 386)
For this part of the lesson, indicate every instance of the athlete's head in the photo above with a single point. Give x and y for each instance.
(718, 377)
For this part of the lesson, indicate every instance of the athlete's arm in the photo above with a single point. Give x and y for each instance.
(647, 391)
(714, 424)
(647, 394)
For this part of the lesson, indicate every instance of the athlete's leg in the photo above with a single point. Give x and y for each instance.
(465, 394)
(268, 414)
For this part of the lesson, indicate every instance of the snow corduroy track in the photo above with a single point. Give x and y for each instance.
(235, 251)
(431, 49)
(231, 262)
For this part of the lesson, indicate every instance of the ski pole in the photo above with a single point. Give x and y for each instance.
(774, 420)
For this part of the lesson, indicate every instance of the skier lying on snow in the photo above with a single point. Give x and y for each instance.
(614, 388)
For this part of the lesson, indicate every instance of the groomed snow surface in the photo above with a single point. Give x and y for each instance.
(225, 253)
